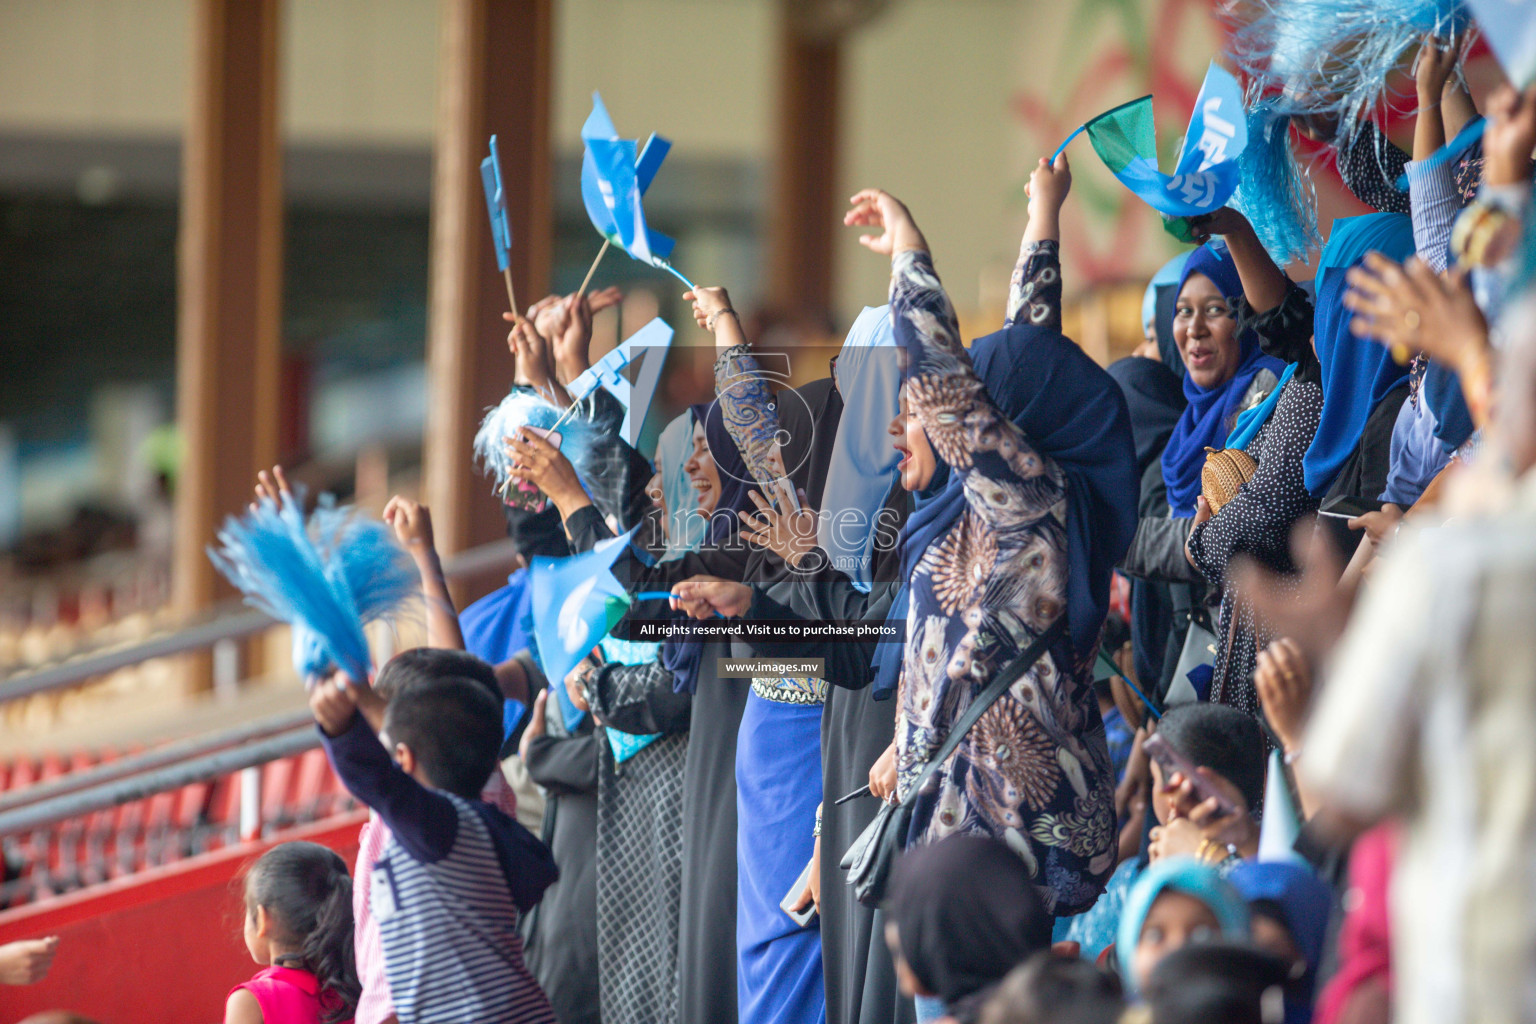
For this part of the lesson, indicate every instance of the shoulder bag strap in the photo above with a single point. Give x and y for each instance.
(986, 698)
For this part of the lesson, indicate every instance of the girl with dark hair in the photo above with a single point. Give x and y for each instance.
(298, 925)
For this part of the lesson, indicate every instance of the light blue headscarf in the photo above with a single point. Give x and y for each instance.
(685, 528)
(685, 533)
(1188, 876)
(862, 469)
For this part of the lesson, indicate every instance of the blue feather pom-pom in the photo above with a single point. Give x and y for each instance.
(1275, 193)
(1332, 59)
(524, 408)
(327, 577)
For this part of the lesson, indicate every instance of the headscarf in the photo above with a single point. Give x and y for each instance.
(863, 462)
(966, 913)
(1190, 877)
(808, 416)
(1306, 903)
(1208, 417)
(685, 527)
(1357, 373)
(736, 481)
(1157, 311)
(682, 656)
(1073, 413)
(1155, 399)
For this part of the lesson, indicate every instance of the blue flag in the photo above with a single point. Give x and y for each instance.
(614, 176)
(496, 206)
(650, 345)
(1207, 172)
(576, 601)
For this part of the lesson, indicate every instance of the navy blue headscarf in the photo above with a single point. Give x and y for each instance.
(1357, 372)
(682, 656)
(1074, 413)
(1208, 417)
(1155, 398)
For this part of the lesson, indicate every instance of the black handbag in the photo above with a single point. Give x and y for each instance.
(869, 860)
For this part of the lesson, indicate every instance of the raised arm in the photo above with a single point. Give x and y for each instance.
(944, 393)
(746, 403)
(1034, 290)
(1264, 284)
(423, 820)
(412, 523)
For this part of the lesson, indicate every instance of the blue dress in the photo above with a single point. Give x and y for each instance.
(778, 787)
(778, 776)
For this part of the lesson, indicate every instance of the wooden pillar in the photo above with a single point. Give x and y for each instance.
(229, 282)
(806, 206)
(495, 61)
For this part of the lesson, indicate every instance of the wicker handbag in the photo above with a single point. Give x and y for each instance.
(1226, 470)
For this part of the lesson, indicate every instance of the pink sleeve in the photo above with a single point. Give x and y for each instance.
(1365, 939)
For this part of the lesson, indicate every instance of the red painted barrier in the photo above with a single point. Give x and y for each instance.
(160, 947)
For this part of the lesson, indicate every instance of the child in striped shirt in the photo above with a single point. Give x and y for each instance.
(456, 872)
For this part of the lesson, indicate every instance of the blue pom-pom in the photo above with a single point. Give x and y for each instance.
(1275, 193)
(1332, 59)
(328, 577)
(523, 408)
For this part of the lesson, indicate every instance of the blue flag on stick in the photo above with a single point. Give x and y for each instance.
(576, 601)
(496, 205)
(615, 174)
(649, 345)
(1207, 172)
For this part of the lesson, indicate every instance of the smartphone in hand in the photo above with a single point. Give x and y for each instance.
(1346, 506)
(1172, 762)
(800, 917)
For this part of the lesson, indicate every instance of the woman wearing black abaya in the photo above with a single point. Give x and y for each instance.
(707, 920)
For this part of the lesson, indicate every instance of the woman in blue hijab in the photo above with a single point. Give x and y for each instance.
(1257, 520)
(1226, 373)
(1363, 387)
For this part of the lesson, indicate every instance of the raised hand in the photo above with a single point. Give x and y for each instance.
(26, 962)
(1436, 64)
(877, 209)
(542, 464)
(1223, 222)
(272, 487)
(1048, 186)
(708, 302)
(1284, 684)
(535, 362)
(412, 523)
(785, 528)
(1310, 608)
(1409, 308)
(332, 701)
